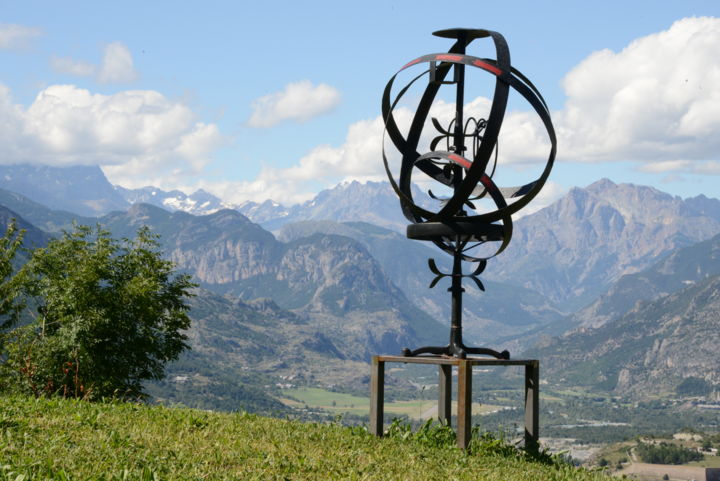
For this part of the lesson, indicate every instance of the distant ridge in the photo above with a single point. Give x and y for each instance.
(678, 270)
(372, 202)
(83, 190)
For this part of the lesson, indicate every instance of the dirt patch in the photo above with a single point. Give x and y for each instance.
(644, 471)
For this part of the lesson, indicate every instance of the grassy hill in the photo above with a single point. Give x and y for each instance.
(59, 439)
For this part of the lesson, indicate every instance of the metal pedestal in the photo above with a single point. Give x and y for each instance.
(464, 392)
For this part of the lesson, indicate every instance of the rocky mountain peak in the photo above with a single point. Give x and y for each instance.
(585, 241)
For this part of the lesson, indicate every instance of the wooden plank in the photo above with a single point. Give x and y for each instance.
(445, 394)
(377, 396)
(464, 409)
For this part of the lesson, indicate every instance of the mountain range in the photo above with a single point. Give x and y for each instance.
(337, 282)
(85, 191)
(574, 249)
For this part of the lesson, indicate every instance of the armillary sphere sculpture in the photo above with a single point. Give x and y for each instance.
(465, 165)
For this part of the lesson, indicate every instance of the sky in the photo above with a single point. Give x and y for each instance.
(269, 99)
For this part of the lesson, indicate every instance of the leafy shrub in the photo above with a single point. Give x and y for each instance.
(110, 315)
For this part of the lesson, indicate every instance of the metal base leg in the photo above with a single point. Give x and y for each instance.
(445, 394)
(464, 409)
(377, 396)
(532, 406)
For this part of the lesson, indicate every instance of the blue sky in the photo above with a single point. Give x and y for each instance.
(281, 99)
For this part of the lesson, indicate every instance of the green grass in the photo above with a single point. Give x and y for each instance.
(54, 439)
(710, 461)
(341, 403)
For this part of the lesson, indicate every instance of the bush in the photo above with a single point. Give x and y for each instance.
(110, 314)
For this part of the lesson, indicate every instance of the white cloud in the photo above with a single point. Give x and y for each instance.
(264, 187)
(665, 166)
(298, 101)
(132, 134)
(70, 66)
(710, 167)
(657, 100)
(359, 158)
(117, 65)
(17, 36)
(195, 145)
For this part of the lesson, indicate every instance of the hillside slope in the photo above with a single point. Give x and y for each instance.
(676, 271)
(54, 439)
(648, 351)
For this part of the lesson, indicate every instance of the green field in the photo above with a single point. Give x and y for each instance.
(64, 440)
(340, 403)
(710, 461)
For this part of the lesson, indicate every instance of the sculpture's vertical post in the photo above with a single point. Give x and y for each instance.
(445, 394)
(532, 405)
(459, 132)
(456, 290)
(464, 410)
(377, 396)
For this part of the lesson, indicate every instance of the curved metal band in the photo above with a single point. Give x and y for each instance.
(508, 77)
(490, 187)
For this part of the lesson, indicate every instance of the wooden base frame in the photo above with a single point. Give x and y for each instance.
(464, 392)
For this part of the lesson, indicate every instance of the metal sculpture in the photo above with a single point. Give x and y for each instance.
(466, 165)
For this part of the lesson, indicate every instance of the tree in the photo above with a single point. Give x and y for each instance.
(666, 453)
(110, 315)
(10, 300)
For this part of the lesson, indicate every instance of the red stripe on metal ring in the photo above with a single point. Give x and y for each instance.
(489, 184)
(460, 160)
(417, 60)
(449, 58)
(487, 66)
